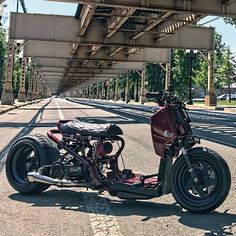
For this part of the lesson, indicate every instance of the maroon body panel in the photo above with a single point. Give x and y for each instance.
(164, 129)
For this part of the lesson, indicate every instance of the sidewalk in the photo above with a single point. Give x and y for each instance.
(6, 108)
(199, 107)
(151, 106)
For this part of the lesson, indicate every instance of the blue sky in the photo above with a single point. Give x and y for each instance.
(227, 31)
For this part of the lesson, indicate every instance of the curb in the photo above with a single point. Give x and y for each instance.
(211, 112)
(17, 106)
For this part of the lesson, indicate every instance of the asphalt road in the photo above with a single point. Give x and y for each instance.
(81, 212)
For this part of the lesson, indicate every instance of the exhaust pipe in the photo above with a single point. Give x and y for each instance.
(36, 177)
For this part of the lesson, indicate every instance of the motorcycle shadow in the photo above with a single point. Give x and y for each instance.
(214, 223)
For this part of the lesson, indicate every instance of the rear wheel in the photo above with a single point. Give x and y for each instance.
(28, 154)
(211, 186)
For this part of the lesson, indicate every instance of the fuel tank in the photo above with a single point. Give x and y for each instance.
(165, 129)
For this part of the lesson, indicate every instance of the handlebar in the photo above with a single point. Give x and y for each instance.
(163, 97)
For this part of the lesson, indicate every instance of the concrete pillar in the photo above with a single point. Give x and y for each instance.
(97, 91)
(167, 81)
(116, 90)
(34, 87)
(108, 90)
(88, 91)
(210, 99)
(143, 90)
(43, 88)
(168, 71)
(84, 93)
(22, 93)
(102, 92)
(127, 91)
(39, 89)
(30, 85)
(7, 94)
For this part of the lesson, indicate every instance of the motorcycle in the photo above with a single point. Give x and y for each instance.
(80, 154)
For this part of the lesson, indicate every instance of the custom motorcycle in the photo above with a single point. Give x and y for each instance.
(80, 154)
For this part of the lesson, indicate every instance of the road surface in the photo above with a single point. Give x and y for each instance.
(81, 212)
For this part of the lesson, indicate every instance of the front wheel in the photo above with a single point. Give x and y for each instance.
(208, 189)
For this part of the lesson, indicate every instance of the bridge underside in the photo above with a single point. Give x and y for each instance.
(107, 38)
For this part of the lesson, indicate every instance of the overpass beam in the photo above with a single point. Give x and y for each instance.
(7, 94)
(213, 7)
(210, 99)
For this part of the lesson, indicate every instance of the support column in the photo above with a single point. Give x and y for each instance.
(39, 89)
(34, 87)
(102, 93)
(127, 90)
(143, 90)
(167, 81)
(97, 91)
(108, 90)
(30, 85)
(116, 90)
(7, 97)
(43, 89)
(210, 99)
(22, 93)
(88, 92)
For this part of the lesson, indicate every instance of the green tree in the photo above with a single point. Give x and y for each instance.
(180, 73)
(201, 73)
(156, 77)
(227, 71)
(230, 20)
(201, 69)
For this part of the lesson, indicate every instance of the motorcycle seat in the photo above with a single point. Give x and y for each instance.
(89, 129)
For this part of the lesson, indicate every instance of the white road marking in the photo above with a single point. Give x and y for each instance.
(61, 116)
(103, 222)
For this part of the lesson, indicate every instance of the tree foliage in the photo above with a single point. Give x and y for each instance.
(230, 20)
(180, 73)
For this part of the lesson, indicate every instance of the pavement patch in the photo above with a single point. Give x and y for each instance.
(101, 217)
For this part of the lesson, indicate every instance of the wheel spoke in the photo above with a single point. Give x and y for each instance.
(189, 184)
(200, 191)
(210, 182)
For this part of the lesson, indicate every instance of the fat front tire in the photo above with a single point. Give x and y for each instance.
(213, 181)
(28, 154)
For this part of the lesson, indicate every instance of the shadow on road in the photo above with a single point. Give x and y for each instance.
(214, 223)
(26, 130)
(220, 130)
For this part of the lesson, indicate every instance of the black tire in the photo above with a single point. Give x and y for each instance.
(213, 186)
(26, 155)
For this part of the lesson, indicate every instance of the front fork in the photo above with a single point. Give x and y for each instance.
(186, 158)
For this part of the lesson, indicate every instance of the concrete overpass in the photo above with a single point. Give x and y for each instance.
(107, 38)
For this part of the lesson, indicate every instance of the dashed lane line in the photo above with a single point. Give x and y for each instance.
(102, 221)
(61, 116)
